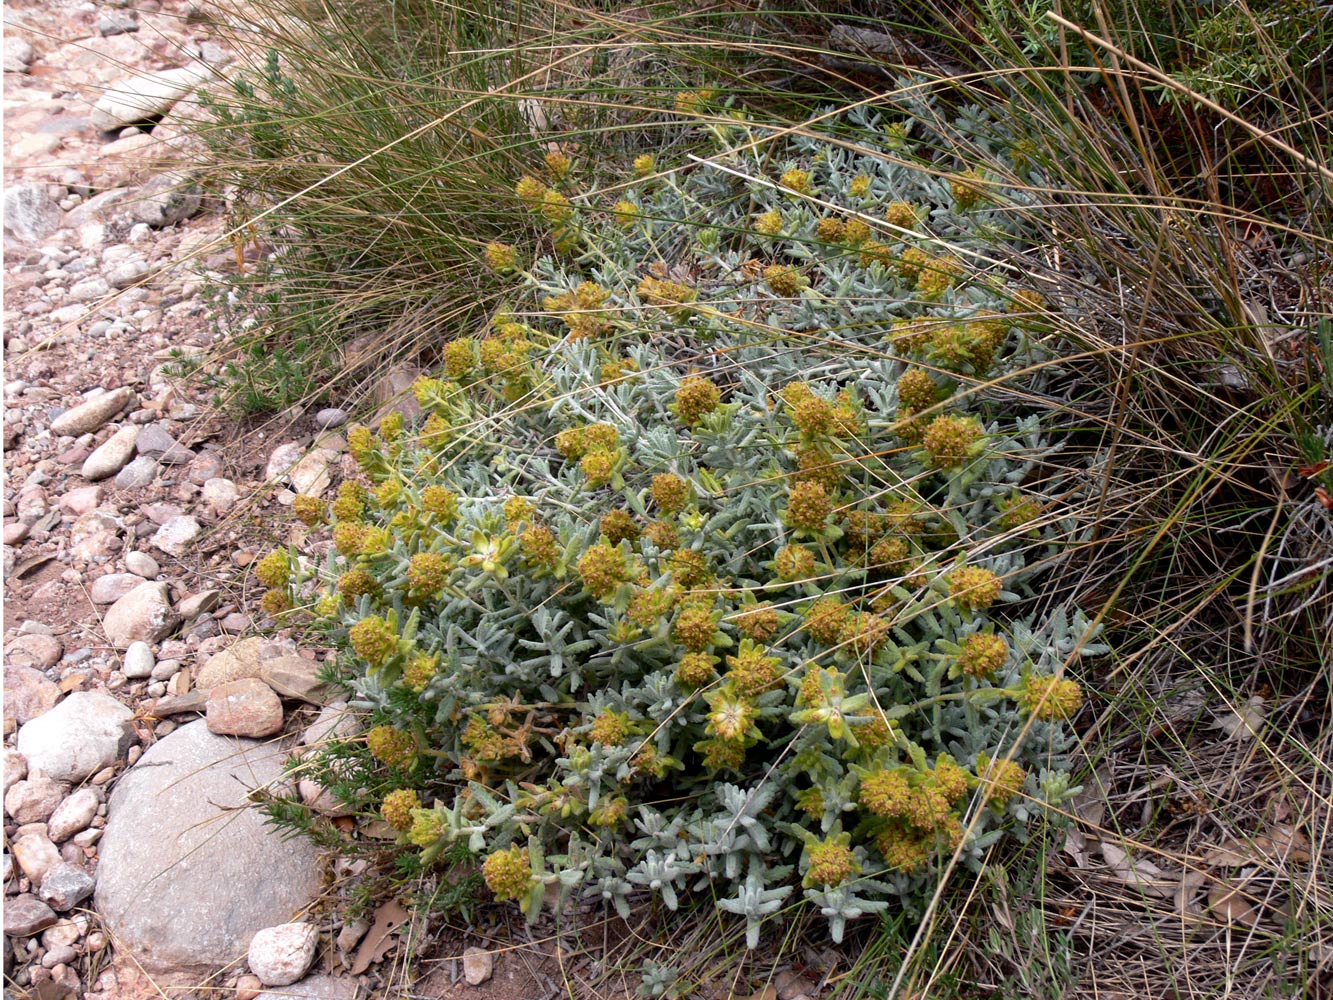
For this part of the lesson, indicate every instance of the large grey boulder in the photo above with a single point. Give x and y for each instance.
(146, 96)
(186, 875)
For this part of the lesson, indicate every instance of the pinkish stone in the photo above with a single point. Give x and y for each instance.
(245, 707)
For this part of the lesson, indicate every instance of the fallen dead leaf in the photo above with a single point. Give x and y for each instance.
(1285, 842)
(1186, 890)
(1231, 904)
(1245, 721)
(1143, 875)
(379, 939)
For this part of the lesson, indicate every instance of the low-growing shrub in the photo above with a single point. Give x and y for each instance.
(698, 578)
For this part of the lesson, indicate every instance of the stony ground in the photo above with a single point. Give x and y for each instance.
(131, 511)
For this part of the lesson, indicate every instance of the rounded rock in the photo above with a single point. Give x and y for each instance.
(281, 955)
(139, 661)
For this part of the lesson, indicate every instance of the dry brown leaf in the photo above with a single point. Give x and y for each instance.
(1143, 875)
(1229, 854)
(1076, 846)
(1284, 842)
(1190, 884)
(1243, 722)
(379, 939)
(1231, 904)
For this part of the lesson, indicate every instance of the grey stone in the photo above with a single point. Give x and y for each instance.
(86, 732)
(126, 273)
(65, 886)
(330, 417)
(30, 215)
(27, 693)
(91, 414)
(186, 876)
(220, 494)
(335, 721)
(282, 459)
(142, 564)
(175, 537)
(142, 471)
(157, 442)
(166, 200)
(147, 96)
(18, 54)
(73, 815)
(139, 661)
(112, 587)
(478, 965)
(144, 614)
(198, 604)
(27, 915)
(314, 988)
(117, 22)
(99, 208)
(294, 677)
(111, 456)
(89, 290)
(35, 650)
(281, 955)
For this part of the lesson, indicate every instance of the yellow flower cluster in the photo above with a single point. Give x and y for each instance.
(785, 280)
(374, 640)
(830, 863)
(508, 873)
(982, 654)
(949, 440)
(603, 568)
(808, 506)
(392, 746)
(397, 808)
(670, 493)
(974, 588)
(696, 397)
(1050, 699)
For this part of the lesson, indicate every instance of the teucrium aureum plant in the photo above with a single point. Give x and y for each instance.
(693, 576)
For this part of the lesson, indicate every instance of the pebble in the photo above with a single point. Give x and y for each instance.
(35, 855)
(15, 768)
(330, 417)
(25, 915)
(82, 500)
(142, 564)
(65, 886)
(144, 614)
(220, 494)
(111, 456)
(84, 733)
(38, 651)
(281, 955)
(245, 707)
(138, 661)
(478, 965)
(176, 535)
(112, 587)
(34, 800)
(140, 472)
(93, 413)
(73, 815)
